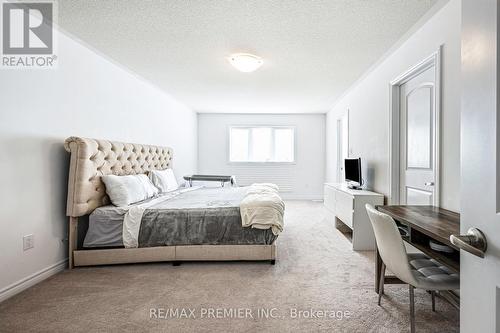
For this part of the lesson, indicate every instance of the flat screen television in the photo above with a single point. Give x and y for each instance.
(352, 169)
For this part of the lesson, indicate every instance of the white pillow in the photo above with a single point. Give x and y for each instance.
(164, 180)
(126, 190)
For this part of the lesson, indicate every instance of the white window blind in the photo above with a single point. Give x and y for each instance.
(262, 144)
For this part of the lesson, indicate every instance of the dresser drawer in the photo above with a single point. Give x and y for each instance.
(347, 207)
(344, 204)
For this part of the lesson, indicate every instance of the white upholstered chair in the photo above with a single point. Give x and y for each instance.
(416, 269)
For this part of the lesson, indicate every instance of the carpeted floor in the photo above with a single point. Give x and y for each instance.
(316, 269)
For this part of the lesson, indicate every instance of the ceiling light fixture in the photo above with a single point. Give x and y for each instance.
(245, 62)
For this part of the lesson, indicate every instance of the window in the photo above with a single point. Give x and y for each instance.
(261, 144)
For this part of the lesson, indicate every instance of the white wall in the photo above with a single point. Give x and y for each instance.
(368, 104)
(305, 177)
(87, 96)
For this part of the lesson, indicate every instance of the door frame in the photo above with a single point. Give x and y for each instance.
(340, 142)
(394, 125)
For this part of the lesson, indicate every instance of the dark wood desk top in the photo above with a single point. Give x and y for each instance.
(424, 223)
(435, 222)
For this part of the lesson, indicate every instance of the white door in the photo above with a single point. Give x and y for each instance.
(480, 166)
(417, 139)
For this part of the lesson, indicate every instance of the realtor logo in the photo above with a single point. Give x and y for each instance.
(27, 29)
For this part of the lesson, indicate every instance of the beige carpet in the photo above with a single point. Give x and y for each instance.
(316, 269)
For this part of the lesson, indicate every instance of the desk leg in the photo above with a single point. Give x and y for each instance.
(378, 269)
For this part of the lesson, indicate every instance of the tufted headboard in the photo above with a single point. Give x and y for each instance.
(91, 159)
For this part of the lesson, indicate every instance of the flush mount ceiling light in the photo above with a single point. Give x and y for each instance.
(245, 62)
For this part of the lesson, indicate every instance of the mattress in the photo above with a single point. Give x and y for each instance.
(205, 216)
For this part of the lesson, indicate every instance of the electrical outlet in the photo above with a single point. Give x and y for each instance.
(28, 242)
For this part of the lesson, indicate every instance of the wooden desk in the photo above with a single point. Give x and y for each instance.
(423, 223)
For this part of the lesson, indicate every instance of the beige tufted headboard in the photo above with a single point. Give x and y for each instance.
(91, 159)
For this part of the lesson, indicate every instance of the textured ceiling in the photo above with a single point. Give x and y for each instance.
(313, 50)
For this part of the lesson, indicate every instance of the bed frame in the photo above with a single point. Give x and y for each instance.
(91, 159)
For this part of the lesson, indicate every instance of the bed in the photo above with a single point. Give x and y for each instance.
(196, 224)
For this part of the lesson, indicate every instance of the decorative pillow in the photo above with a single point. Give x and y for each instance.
(164, 180)
(126, 190)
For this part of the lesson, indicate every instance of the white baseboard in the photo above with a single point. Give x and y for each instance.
(31, 280)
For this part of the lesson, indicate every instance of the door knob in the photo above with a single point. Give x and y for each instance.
(429, 184)
(473, 242)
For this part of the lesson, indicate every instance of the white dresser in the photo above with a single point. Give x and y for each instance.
(349, 207)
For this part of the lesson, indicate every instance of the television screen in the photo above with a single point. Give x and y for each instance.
(353, 170)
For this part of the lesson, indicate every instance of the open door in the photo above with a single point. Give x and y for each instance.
(480, 167)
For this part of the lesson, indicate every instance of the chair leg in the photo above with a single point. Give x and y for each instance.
(433, 298)
(412, 309)
(381, 283)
